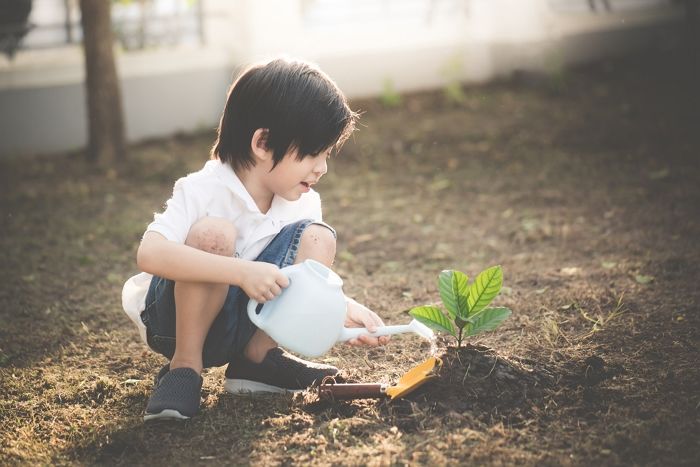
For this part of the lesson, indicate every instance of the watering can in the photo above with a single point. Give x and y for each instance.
(308, 316)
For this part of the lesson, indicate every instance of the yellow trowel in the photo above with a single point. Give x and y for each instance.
(415, 377)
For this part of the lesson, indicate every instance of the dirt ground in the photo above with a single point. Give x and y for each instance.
(583, 185)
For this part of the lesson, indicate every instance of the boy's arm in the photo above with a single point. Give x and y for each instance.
(161, 257)
(360, 316)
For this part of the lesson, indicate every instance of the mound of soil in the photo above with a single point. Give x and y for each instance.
(476, 382)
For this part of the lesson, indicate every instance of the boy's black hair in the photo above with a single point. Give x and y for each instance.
(300, 105)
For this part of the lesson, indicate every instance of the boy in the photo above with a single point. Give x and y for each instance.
(228, 229)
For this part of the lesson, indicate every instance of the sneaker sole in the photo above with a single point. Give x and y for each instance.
(244, 386)
(167, 414)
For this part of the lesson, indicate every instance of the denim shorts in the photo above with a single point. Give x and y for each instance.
(231, 329)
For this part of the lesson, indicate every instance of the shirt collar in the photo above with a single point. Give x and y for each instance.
(280, 208)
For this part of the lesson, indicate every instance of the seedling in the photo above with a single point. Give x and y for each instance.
(468, 313)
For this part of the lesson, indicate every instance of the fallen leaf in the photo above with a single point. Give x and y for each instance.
(114, 278)
(570, 271)
(345, 255)
(659, 174)
(608, 264)
(361, 239)
(439, 185)
(529, 224)
(642, 279)
(392, 265)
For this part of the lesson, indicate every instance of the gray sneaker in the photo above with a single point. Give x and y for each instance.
(176, 395)
(160, 375)
(279, 372)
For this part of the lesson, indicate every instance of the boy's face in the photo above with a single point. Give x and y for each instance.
(292, 177)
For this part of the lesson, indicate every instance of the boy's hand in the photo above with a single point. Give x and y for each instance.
(359, 316)
(263, 281)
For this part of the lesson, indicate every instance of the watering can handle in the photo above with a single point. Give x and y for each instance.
(259, 319)
(254, 317)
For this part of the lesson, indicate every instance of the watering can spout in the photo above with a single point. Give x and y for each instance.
(414, 326)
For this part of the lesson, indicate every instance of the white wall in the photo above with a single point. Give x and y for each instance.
(362, 44)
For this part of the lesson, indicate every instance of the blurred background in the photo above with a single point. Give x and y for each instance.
(372, 48)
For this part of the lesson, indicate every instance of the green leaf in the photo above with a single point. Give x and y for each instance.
(432, 317)
(487, 319)
(454, 291)
(485, 287)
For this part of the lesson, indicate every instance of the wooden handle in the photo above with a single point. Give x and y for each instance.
(344, 391)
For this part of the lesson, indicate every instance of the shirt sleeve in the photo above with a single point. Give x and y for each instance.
(182, 210)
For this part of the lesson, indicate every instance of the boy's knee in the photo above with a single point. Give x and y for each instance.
(318, 242)
(213, 235)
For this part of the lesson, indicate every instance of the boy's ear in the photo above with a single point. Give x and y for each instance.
(258, 145)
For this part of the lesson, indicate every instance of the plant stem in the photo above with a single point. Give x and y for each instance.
(459, 338)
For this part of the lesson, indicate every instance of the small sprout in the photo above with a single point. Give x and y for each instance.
(467, 307)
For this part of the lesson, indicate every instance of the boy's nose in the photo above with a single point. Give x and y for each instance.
(321, 168)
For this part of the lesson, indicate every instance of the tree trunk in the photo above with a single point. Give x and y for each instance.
(105, 121)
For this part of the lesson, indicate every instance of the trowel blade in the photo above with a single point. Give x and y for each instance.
(415, 377)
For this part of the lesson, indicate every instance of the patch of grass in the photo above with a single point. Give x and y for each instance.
(389, 96)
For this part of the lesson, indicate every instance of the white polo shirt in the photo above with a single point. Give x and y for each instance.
(216, 191)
